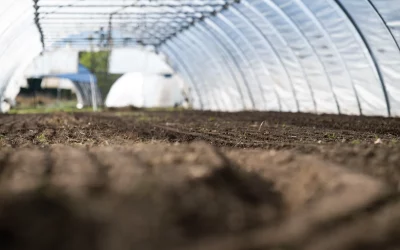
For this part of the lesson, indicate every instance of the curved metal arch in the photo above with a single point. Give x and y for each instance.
(213, 71)
(83, 91)
(220, 44)
(196, 59)
(191, 58)
(218, 69)
(317, 22)
(257, 13)
(209, 75)
(209, 100)
(384, 22)
(275, 54)
(79, 95)
(180, 68)
(379, 48)
(357, 34)
(179, 65)
(200, 33)
(197, 40)
(177, 59)
(228, 39)
(311, 15)
(370, 53)
(227, 22)
(306, 40)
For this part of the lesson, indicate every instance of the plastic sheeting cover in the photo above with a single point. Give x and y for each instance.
(137, 60)
(60, 61)
(322, 56)
(19, 41)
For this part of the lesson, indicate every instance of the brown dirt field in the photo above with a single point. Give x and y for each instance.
(199, 180)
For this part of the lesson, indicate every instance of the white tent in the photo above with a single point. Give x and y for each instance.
(146, 90)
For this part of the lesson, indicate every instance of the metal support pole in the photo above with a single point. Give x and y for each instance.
(307, 41)
(371, 52)
(94, 96)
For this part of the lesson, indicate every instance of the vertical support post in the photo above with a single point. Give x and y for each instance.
(93, 91)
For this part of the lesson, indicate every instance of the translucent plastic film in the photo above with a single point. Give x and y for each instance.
(19, 39)
(320, 56)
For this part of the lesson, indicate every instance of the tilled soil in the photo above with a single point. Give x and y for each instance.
(199, 180)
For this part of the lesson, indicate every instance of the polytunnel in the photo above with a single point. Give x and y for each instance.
(320, 56)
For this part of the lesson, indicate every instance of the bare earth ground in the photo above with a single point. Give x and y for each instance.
(199, 180)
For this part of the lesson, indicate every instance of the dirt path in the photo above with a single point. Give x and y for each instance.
(199, 180)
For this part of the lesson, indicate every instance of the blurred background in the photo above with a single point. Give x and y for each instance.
(69, 79)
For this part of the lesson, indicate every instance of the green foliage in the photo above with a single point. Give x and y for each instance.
(105, 81)
(97, 62)
(331, 136)
(42, 138)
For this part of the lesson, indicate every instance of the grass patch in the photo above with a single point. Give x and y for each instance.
(143, 118)
(42, 138)
(331, 136)
(69, 107)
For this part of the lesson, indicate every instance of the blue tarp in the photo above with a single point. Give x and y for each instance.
(83, 75)
(82, 81)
